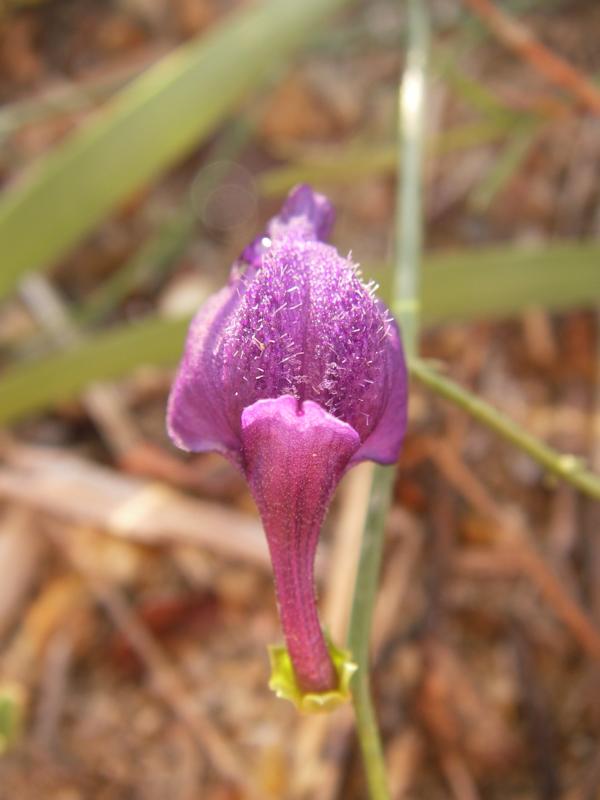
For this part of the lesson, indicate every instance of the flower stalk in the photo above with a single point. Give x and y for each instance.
(411, 128)
(565, 466)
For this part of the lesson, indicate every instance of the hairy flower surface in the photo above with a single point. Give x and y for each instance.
(295, 372)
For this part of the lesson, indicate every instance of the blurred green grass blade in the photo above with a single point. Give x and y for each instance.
(348, 164)
(460, 286)
(35, 385)
(161, 251)
(65, 98)
(497, 282)
(343, 167)
(150, 124)
(155, 257)
(472, 92)
(505, 168)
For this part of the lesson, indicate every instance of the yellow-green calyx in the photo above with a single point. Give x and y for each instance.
(283, 680)
(12, 710)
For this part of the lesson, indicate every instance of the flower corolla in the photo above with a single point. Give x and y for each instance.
(295, 372)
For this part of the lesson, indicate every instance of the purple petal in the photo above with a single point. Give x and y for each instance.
(196, 413)
(384, 443)
(307, 211)
(294, 455)
(302, 324)
(306, 325)
(305, 215)
(252, 254)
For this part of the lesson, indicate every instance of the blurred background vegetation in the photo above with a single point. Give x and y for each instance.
(143, 143)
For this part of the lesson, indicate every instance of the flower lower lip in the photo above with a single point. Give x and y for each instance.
(293, 462)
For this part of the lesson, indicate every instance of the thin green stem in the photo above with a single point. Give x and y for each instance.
(409, 218)
(563, 465)
(405, 299)
(360, 628)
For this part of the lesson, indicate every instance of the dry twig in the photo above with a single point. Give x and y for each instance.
(67, 487)
(101, 399)
(514, 552)
(522, 560)
(165, 679)
(20, 552)
(554, 68)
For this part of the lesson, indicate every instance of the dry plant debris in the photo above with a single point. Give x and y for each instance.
(135, 601)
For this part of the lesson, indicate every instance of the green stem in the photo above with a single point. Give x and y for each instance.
(405, 299)
(360, 629)
(409, 217)
(563, 465)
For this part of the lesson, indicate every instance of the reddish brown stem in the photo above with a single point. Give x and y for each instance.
(554, 68)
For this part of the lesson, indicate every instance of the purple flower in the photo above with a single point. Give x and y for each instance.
(294, 372)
